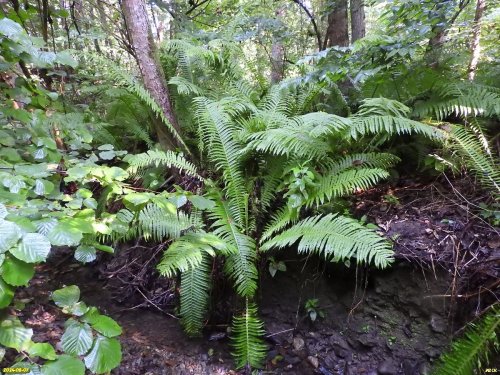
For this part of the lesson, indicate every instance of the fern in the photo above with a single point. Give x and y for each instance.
(280, 220)
(247, 332)
(194, 296)
(474, 147)
(369, 160)
(462, 99)
(157, 223)
(335, 237)
(472, 350)
(240, 265)
(218, 131)
(119, 76)
(188, 251)
(158, 158)
(346, 182)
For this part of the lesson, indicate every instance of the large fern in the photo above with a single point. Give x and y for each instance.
(473, 350)
(158, 158)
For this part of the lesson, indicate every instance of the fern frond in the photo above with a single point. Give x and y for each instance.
(158, 158)
(343, 183)
(472, 350)
(462, 99)
(188, 252)
(337, 238)
(157, 223)
(368, 160)
(218, 133)
(194, 296)
(246, 338)
(185, 87)
(476, 152)
(385, 124)
(279, 220)
(240, 265)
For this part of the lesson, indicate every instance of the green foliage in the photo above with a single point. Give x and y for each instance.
(473, 350)
(335, 238)
(249, 348)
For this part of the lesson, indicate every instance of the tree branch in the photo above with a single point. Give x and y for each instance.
(313, 21)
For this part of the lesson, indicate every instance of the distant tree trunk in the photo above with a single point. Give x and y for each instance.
(476, 36)
(439, 32)
(357, 20)
(337, 33)
(154, 80)
(277, 53)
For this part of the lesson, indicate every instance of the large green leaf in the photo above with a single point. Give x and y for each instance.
(16, 272)
(6, 294)
(67, 296)
(106, 354)
(85, 253)
(64, 235)
(105, 325)
(33, 248)
(77, 338)
(43, 350)
(64, 365)
(10, 233)
(14, 335)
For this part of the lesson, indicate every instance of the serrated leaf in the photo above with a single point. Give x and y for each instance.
(106, 147)
(106, 354)
(85, 253)
(106, 249)
(77, 338)
(6, 294)
(66, 296)
(105, 325)
(33, 248)
(64, 365)
(14, 335)
(90, 203)
(16, 272)
(107, 155)
(43, 350)
(10, 233)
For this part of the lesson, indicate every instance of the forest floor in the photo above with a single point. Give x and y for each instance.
(395, 321)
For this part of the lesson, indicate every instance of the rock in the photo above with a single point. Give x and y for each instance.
(368, 340)
(424, 369)
(298, 343)
(330, 360)
(438, 324)
(388, 367)
(292, 360)
(313, 361)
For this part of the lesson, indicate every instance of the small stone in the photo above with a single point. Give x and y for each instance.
(313, 361)
(388, 367)
(298, 343)
(292, 360)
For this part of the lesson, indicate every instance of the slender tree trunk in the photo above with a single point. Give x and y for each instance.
(154, 80)
(476, 36)
(337, 33)
(277, 53)
(357, 20)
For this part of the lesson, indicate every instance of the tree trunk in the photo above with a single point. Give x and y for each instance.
(476, 36)
(357, 20)
(154, 80)
(337, 33)
(277, 53)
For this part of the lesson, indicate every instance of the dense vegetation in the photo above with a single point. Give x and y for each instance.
(228, 131)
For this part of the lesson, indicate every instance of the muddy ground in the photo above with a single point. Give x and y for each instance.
(395, 321)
